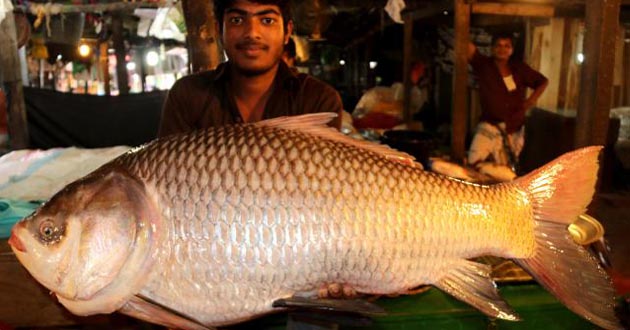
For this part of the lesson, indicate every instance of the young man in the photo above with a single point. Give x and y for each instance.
(254, 84)
(503, 83)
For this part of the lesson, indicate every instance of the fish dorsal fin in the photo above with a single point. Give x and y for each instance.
(315, 124)
(470, 282)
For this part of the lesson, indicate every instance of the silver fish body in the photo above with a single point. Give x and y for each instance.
(235, 218)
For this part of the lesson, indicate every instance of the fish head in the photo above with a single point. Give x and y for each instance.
(91, 236)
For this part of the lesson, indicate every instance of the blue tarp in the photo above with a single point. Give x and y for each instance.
(12, 211)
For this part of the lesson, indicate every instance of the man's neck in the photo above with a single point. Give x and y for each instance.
(252, 92)
(503, 66)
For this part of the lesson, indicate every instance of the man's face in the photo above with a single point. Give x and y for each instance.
(253, 36)
(502, 49)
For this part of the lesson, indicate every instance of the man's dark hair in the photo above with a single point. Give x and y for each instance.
(285, 8)
(503, 35)
(290, 48)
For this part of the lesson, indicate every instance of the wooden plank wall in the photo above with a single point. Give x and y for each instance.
(550, 46)
(617, 100)
(553, 51)
(572, 88)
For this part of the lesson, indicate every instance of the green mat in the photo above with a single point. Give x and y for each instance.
(437, 310)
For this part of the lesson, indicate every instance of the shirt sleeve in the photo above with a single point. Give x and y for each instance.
(174, 113)
(330, 101)
(532, 78)
(478, 60)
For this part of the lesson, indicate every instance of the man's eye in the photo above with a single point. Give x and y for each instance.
(236, 20)
(268, 20)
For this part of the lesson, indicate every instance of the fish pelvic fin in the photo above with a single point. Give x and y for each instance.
(470, 282)
(560, 191)
(356, 306)
(149, 310)
(315, 124)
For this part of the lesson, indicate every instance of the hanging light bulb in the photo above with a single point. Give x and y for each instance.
(84, 50)
(152, 58)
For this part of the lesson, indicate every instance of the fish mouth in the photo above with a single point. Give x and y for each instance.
(15, 242)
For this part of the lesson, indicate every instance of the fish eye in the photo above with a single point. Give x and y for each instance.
(47, 230)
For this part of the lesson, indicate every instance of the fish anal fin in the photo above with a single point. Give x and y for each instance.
(357, 306)
(146, 309)
(470, 282)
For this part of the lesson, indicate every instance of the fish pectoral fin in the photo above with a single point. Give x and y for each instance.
(470, 282)
(149, 310)
(357, 306)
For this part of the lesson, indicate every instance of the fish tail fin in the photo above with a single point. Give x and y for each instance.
(560, 191)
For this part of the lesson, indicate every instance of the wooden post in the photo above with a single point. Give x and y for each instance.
(566, 59)
(104, 64)
(202, 36)
(551, 61)
(12, 84)
(142, 67)
(407, 48)
(626, 71)
(618, 69)
(119, 48)
(602, 22)
(40, 73)
(460, 80)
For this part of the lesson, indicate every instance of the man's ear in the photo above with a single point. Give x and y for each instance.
(217, 30)
(288, 32)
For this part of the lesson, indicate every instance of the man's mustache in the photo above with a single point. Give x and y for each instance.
(248, 44)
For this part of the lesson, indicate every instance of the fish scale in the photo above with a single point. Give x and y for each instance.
(384, 198)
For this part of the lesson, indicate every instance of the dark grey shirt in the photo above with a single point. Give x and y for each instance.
(205, 100)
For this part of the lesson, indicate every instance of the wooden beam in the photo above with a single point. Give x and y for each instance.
(18, 128)
(602, 22)
(103, 58)
(460, 80)
(565, 62)
(572, 95)
(618, 69)
(513, 9)
(12, 84)
(119, 48)
(551, 62)
(58, 9)
(626, 71)
(202, 36)
(429, 10)
(407, 48)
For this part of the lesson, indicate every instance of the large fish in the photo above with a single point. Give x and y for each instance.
(211, 228)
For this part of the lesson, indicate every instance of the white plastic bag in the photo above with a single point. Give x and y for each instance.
(5, 6)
